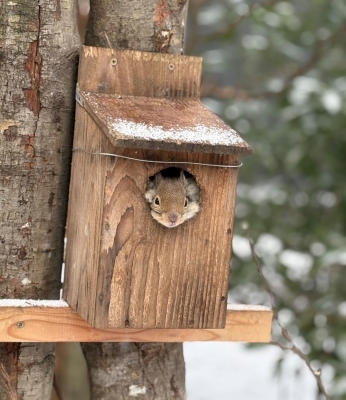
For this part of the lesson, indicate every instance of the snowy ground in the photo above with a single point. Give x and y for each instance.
(230, 371)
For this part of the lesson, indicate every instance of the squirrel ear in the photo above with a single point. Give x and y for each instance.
(158, 178)
(183, 177)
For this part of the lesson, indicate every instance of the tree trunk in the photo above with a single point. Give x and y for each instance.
(38, 51)
(143, 370)
(152, 25)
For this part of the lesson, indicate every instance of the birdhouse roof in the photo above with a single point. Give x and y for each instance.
(165, 124)
(151, 101)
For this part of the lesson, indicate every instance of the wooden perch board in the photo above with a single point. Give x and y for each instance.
(62, 324)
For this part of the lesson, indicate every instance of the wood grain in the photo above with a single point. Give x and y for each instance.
(137, 73)
(148, 275)
(123, 269)
(85, 213)
(51, 324)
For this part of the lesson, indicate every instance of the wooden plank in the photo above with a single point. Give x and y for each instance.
(138, 73)
(62, 324)
(153, 277)
(85, 213)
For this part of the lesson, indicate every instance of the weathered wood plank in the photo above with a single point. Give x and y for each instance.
(136, 73)
(85, 213)
(62, 324)
(166, 124)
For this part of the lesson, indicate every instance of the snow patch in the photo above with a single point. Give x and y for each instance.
(201, 134)
(137, 390)
(246, 307)
(32, 303)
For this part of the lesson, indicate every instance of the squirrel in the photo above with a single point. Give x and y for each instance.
(173, 200)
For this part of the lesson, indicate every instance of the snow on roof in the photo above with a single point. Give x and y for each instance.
(160, 123)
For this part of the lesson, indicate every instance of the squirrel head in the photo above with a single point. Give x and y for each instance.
(172, 200)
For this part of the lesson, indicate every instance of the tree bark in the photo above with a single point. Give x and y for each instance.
(26, 371)
(149, 370)
(153, 25)
(38, 52)
(143, 370)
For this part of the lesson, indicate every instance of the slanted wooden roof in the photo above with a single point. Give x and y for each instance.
(151, 101)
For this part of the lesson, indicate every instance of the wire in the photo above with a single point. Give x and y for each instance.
(158, 162)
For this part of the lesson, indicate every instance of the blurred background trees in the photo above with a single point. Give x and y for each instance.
(275, 71)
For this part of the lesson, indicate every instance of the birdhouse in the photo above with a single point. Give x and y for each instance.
(139, 117)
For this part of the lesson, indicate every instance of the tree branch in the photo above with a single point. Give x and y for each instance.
(291, 347)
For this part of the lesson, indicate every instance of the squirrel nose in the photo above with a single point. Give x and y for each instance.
(173, 218)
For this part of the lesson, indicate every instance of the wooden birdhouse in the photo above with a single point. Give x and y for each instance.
(138, 114)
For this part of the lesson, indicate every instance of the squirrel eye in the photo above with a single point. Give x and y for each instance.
(157, 201)
(185, 202)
